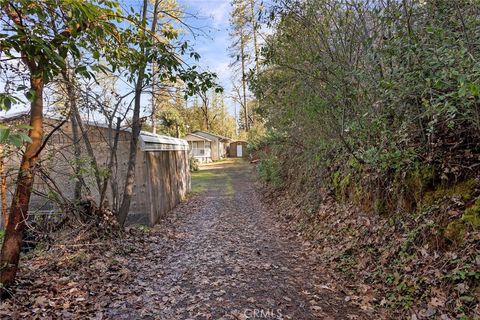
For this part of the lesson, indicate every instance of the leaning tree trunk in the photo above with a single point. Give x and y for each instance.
(136, 125)
(130, 180)
(18, 214)
(3, 188)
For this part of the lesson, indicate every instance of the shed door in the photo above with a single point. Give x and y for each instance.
(239, 150)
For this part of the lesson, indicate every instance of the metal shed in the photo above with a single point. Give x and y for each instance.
(162, 175)
(165, 179)
(238, 149)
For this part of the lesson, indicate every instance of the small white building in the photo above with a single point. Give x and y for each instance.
(207, 147)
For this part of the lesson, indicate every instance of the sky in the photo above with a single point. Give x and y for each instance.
(209, 21)
(211, 18)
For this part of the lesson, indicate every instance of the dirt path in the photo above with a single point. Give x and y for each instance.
(228, 260)
(219, 255)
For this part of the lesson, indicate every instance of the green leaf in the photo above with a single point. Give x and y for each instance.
(474, 89)
(4, 133)
(30, 95)
(81, 69)
(16, 140)
(25, 137)
(24, 126)
(5, 102)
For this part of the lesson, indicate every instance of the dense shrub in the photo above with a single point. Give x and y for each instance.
(269, 171)
(378, 106)
(391, 86)
(194, 164)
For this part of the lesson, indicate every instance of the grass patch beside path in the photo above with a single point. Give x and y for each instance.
(216, 176)
(201, 180)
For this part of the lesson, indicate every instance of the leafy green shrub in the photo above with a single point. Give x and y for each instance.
(14, 135)
(258, 142)
(269, 171)
(194, 164)
(405, 109)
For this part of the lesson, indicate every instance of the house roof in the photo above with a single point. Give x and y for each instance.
(212, 134)
(198, 136)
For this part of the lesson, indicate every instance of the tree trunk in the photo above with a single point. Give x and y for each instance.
(18, 214)
(136, 127)
(77, 124)
(205, 113)
(77, 151)
(255, 43)
(154, 109)
(244, 80)
(111, 163)
(88, 145)
(3, 188)
(154, 68)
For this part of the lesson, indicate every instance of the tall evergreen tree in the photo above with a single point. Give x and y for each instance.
(240, 38)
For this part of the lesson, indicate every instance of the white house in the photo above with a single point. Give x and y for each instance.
(207, 147)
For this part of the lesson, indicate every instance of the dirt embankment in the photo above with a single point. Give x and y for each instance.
(408, 265)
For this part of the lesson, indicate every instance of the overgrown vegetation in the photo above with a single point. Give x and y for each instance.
(377, 103)
(77, 53)
(194, 164)
(269, 170)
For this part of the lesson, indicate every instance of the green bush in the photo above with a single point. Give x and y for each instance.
(408, 100)
(271, 137)
(194, 165)
(269, 171)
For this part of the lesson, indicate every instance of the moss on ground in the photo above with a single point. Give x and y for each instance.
(471, 215)
(463, 190)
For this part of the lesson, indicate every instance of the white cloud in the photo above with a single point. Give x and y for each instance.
(223, 72)
(217, 10)
(219, 14)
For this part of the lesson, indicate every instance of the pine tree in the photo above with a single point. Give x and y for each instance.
(240, 37)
